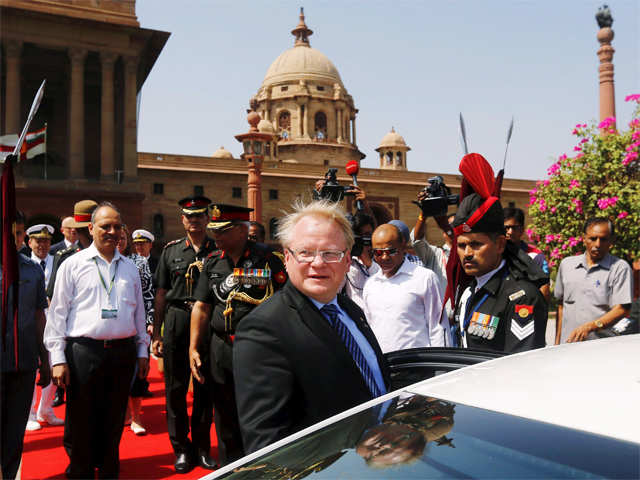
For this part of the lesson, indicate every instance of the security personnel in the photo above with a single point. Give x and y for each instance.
(238, 276)
(502, 308)
(176, 278)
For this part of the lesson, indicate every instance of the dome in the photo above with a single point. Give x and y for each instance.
(222, 154)
(392, 139)
(302, 62)
(265, 126)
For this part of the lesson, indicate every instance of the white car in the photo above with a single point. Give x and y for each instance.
(571, 411)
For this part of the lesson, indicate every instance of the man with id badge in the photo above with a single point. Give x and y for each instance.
(95, 333)
(499, 306)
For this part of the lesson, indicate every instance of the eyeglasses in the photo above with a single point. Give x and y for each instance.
(513, 227)
(308, 256)
(378, 252)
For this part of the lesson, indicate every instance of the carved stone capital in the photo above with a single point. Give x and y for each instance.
(108, 59)
(77, 55)
(13, 48)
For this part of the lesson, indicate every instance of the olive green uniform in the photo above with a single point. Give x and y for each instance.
(178, 270)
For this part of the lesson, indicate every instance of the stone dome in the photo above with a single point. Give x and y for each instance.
(222, 154)
(302, 62)
(392, 139)
(265, 126)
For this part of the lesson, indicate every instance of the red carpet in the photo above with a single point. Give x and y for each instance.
(148, 456)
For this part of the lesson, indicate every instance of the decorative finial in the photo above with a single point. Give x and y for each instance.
(393, 130)
(302, 32)
(603, 17)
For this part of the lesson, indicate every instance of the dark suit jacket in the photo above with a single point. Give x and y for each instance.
(292, 370)
(56, 247)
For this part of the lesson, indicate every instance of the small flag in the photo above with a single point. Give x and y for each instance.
(36, 142)
(7, 145)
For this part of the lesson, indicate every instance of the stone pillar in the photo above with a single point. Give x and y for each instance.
(340, 126)
(353, 129)
(13, 50)
(347, 133)
(77, 57)
(254, 190)
(298, 123)
(107, 152)
(607, 92)
(305, 121)
(130, 121)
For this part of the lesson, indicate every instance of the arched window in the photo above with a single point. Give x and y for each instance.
(284, 122)
(273, 228)
(399, 158)
(389, 158)
(158, 225)
(320, 126)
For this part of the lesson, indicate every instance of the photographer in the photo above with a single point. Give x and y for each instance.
(362, 264)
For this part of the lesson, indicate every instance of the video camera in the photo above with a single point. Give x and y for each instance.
(331, 189)
(438, 199)
(360, 241)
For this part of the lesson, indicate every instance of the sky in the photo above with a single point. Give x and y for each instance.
(414, 65)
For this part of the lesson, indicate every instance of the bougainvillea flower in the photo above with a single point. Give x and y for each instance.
(607, 122)
(623, 214)
(632, 98)
(574, 184)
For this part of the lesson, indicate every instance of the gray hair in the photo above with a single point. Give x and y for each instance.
(103, 205)
(318, 208)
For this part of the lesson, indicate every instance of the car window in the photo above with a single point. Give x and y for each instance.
(412, 436)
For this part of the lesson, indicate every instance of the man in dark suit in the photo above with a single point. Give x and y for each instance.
(307, 353)
(70, 236)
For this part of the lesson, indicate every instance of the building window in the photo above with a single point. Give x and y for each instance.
(284, 123)
(273, 194)
(158, 188)
(198, 190)
(326, 163)
(320, 126)
(284, 89)
(158, 225)
(320, 88)
(512, 204)
(273, 228)
(389, 158)
(236, 192)
(399, 158)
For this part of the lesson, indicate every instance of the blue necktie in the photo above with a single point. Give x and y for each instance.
(43, 264)
(331, 312)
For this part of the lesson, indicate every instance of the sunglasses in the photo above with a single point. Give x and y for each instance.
(379, 252)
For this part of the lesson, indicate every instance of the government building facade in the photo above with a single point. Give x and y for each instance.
(96, 58)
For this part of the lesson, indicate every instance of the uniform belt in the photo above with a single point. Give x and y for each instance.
(92, 342)
(185, 305)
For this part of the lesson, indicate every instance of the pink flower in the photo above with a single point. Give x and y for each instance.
(545, 183)
(611, 131)
(632, 98)
(584, 140)
(552, 263)
(574, 184)
(562, 157)
(580, 155)
(635, 123)
(604, 203)
(607, 122)
(543, 205)
(630, 157)
(577, 149)
(564, 246)
(632, 146)
(577, 203)
(553, 169)
(623, 214)
(533, 192)
(573, 241)
(530, 232)
(635, 135)
(555, 253)
(549, 238)
(553, 209)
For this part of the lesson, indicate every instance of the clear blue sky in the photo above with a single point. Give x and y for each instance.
(409, 64)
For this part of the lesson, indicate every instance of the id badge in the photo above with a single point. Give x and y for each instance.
(109, 313)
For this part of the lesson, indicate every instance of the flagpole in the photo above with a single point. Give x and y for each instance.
(45, 150)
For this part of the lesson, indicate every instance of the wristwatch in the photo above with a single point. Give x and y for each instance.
(599, 323)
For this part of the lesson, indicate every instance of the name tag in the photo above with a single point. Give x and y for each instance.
(109, 313)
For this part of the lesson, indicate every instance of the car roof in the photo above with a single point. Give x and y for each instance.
(593, 386)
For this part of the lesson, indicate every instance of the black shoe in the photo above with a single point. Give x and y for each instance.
(59, 398)
(205, 461)
(183, 464)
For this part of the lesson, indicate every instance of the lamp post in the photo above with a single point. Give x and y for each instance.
(253, 145)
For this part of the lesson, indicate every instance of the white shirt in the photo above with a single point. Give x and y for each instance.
(79, 298)
(404, 310)
(356, 278)
(480, 281)
(48, 260)
(67, 243)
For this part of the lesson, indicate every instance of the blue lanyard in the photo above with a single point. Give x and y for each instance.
(467, 315)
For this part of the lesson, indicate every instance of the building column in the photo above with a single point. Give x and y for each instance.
(107, 152)
(77, 57)
(305, 121)
(353, 129)
(13, 51)
(607, 92)
(340, 133)
(130, 120)
(347, 133)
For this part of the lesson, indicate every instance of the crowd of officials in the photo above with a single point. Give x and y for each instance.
(272, 338)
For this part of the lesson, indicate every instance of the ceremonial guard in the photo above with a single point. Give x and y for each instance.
(496, 285)
(237, 277)
(176, 278)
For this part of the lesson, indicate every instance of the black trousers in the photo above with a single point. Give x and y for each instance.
(96, 404)
(226, 417)
(15, 402)
(177, 373)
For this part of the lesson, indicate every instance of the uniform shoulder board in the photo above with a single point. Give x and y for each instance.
(69, 249)
(279, 255)
(174, 242)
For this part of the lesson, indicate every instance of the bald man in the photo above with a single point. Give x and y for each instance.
(403, 300)
(70, 236)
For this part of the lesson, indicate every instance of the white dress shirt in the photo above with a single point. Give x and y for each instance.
(404, 310)
(356, 278)
(67, 243)
(48, 261)
(79, 298)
